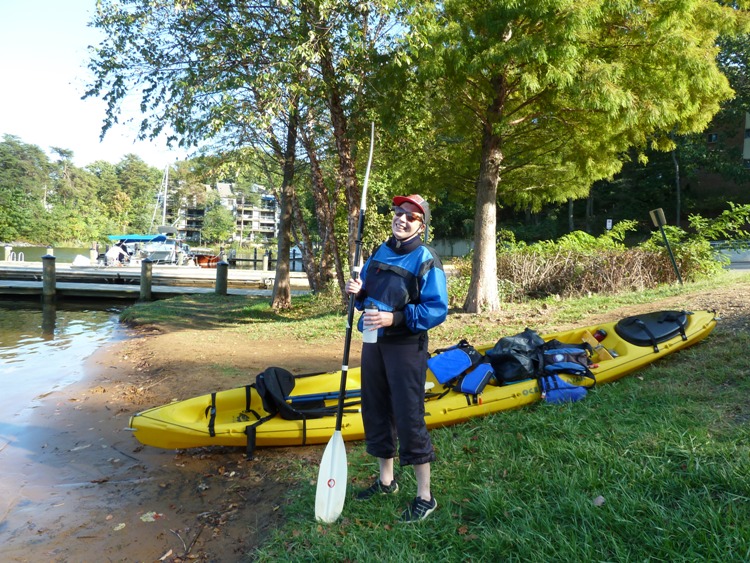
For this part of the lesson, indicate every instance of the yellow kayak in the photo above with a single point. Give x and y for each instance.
(228, 417)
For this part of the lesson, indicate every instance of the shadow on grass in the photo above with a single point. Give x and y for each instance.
(210, 312)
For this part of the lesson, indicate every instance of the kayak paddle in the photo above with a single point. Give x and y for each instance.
(332, 475)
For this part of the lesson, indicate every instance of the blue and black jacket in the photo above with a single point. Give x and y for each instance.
(407, 279)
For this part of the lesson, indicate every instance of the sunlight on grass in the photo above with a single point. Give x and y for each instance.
(651, 468)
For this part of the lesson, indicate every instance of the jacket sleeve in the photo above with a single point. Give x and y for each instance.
(432, 308)
(359, 298)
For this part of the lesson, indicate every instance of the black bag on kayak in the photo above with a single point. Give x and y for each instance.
(517, 357)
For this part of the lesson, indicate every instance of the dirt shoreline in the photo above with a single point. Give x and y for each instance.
(85, 489)
(84, 485)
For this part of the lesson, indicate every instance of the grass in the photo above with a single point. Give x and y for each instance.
(651, 468)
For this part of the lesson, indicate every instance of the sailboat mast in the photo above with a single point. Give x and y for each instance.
(164, 184)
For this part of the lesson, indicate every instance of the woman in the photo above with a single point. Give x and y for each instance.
(405, 281)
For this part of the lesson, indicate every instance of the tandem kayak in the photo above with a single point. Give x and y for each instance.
(229, 417)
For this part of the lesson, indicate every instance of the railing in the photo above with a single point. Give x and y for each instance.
(266, 261)
(12, 256)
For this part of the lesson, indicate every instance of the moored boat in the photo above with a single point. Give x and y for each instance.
(158, 247)
(205, 257)
(241, 417)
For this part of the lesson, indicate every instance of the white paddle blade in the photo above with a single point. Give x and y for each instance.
(331, 492)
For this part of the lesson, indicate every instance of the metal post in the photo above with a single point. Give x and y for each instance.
(147, 267)
(265, 261)
(222, 272)
(48, 279)
(8, 252)
(657, 217)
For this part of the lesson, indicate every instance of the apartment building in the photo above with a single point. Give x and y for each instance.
(256, 215)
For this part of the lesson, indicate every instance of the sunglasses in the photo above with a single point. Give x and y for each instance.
(411, 217)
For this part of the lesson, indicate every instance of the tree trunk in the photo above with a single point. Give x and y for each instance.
(678, 190)
(571, 223)
(302, 236)
(339, 121)
(325, 213)
(482, 295)
(282, 293)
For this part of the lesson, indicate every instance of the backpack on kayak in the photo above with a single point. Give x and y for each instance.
(448, 364)
(571, 359)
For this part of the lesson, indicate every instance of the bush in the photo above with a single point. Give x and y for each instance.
(580, 264)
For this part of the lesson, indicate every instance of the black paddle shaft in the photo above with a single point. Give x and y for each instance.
(350, 316)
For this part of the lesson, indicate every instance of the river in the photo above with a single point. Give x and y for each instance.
(43, 348)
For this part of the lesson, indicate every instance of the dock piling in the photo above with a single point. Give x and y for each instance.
(147, 276)
(222, 273)
(49, 282)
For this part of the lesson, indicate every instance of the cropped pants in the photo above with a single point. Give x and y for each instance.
(393, 378)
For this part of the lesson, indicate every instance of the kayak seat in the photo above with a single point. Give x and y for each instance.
(651, 329)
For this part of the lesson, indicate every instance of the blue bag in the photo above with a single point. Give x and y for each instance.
(565, 358)
(450, 363)
(475, 381)
(556, 390)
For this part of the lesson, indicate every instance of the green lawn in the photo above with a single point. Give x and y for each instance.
(654, 467)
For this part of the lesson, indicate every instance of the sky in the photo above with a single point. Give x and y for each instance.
(43, 74)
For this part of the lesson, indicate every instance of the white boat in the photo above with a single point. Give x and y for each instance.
(158, 248)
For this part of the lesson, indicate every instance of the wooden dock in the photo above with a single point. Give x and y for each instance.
(26, 278)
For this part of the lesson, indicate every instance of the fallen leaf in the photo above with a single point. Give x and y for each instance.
(167, 554)
(119, 527)
(151, 516)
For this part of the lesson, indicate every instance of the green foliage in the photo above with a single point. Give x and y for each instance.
(732, 225)
(50, 202)
(218, 225)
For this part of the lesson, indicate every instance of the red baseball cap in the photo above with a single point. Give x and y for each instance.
(414, 199)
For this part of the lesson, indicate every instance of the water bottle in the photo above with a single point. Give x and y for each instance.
(600, 335)
(370, 336)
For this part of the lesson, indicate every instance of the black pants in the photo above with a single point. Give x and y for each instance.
(393, 378)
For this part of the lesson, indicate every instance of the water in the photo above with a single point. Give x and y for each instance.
(43, 348)
(35, 253)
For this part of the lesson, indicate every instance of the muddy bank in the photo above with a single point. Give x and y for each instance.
(83, 485)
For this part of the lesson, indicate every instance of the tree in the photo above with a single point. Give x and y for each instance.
(559, 90)
(237, 75)
(218, 225)
(24, 181)
(141, 183)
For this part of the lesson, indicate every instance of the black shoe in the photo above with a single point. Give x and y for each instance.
(419, 509)
(377, 488)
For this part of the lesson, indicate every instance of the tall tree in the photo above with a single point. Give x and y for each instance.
(234, 74)
(24, 181)
(560, 89)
